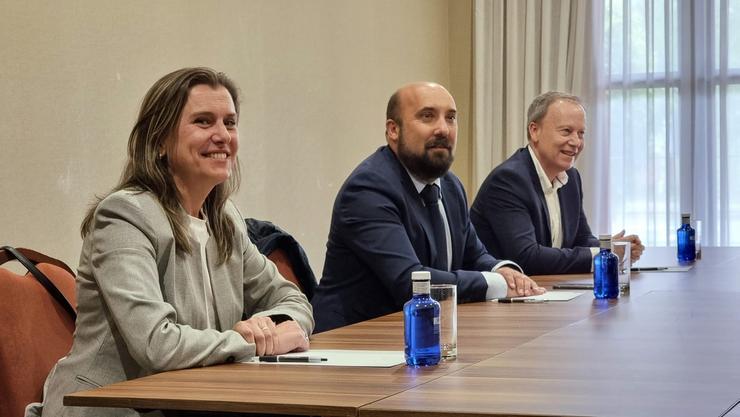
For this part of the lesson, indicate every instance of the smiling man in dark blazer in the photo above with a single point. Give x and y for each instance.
(530, 208)
(382, 229)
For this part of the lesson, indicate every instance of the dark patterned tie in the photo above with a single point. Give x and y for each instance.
(430, 195)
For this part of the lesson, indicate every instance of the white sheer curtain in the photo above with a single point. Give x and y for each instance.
(641, 81)
(672, 78)
(521, 49)
(661, 82)
(526, 47)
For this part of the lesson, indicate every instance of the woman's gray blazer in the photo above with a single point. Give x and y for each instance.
(141, 309)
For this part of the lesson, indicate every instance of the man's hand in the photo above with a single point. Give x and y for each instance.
(272, 339)
(519, 284)
(636, 246)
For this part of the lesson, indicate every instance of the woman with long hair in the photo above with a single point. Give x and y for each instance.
(167, 272)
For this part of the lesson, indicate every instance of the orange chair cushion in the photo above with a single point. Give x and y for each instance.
(36, 332)
(284, 266)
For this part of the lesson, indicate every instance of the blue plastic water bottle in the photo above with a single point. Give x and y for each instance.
(421, 323)
(606, 280)
(686, 240)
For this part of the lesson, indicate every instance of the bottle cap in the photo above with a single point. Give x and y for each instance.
(421, 276)
(605, 241)
(605, 238)
(685, 217)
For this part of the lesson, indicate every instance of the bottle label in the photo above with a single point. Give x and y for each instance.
(421, 287)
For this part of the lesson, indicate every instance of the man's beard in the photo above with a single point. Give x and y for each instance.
(426, 167)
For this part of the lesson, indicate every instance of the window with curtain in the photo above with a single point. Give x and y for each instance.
(672, 81)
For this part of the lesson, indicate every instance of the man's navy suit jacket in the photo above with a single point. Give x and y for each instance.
(511, 217)
(379, 234)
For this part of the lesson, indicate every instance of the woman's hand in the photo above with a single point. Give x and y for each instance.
(261, 331)
(272, 339)
(291, 337)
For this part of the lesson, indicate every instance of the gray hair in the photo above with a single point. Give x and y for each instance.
(540, 104)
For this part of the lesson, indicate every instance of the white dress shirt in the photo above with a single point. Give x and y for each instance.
(198, 239)
(550, 190)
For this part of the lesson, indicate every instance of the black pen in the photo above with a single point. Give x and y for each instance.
(650, 268)
(520, 300)
(307, 359)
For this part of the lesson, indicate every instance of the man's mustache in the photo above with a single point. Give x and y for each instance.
(439, 142)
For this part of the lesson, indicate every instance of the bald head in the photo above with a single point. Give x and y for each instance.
(408, 92)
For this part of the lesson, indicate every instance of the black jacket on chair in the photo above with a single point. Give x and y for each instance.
(268, 237)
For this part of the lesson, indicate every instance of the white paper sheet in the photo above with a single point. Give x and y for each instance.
(548, 296)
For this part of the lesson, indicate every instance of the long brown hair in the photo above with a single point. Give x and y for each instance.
(145, 171)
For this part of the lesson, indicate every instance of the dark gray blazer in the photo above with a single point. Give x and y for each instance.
(511, 217)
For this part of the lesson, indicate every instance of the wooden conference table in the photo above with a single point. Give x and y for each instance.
(669, 348)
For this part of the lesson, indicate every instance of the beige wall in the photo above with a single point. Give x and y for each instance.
(315, 77)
